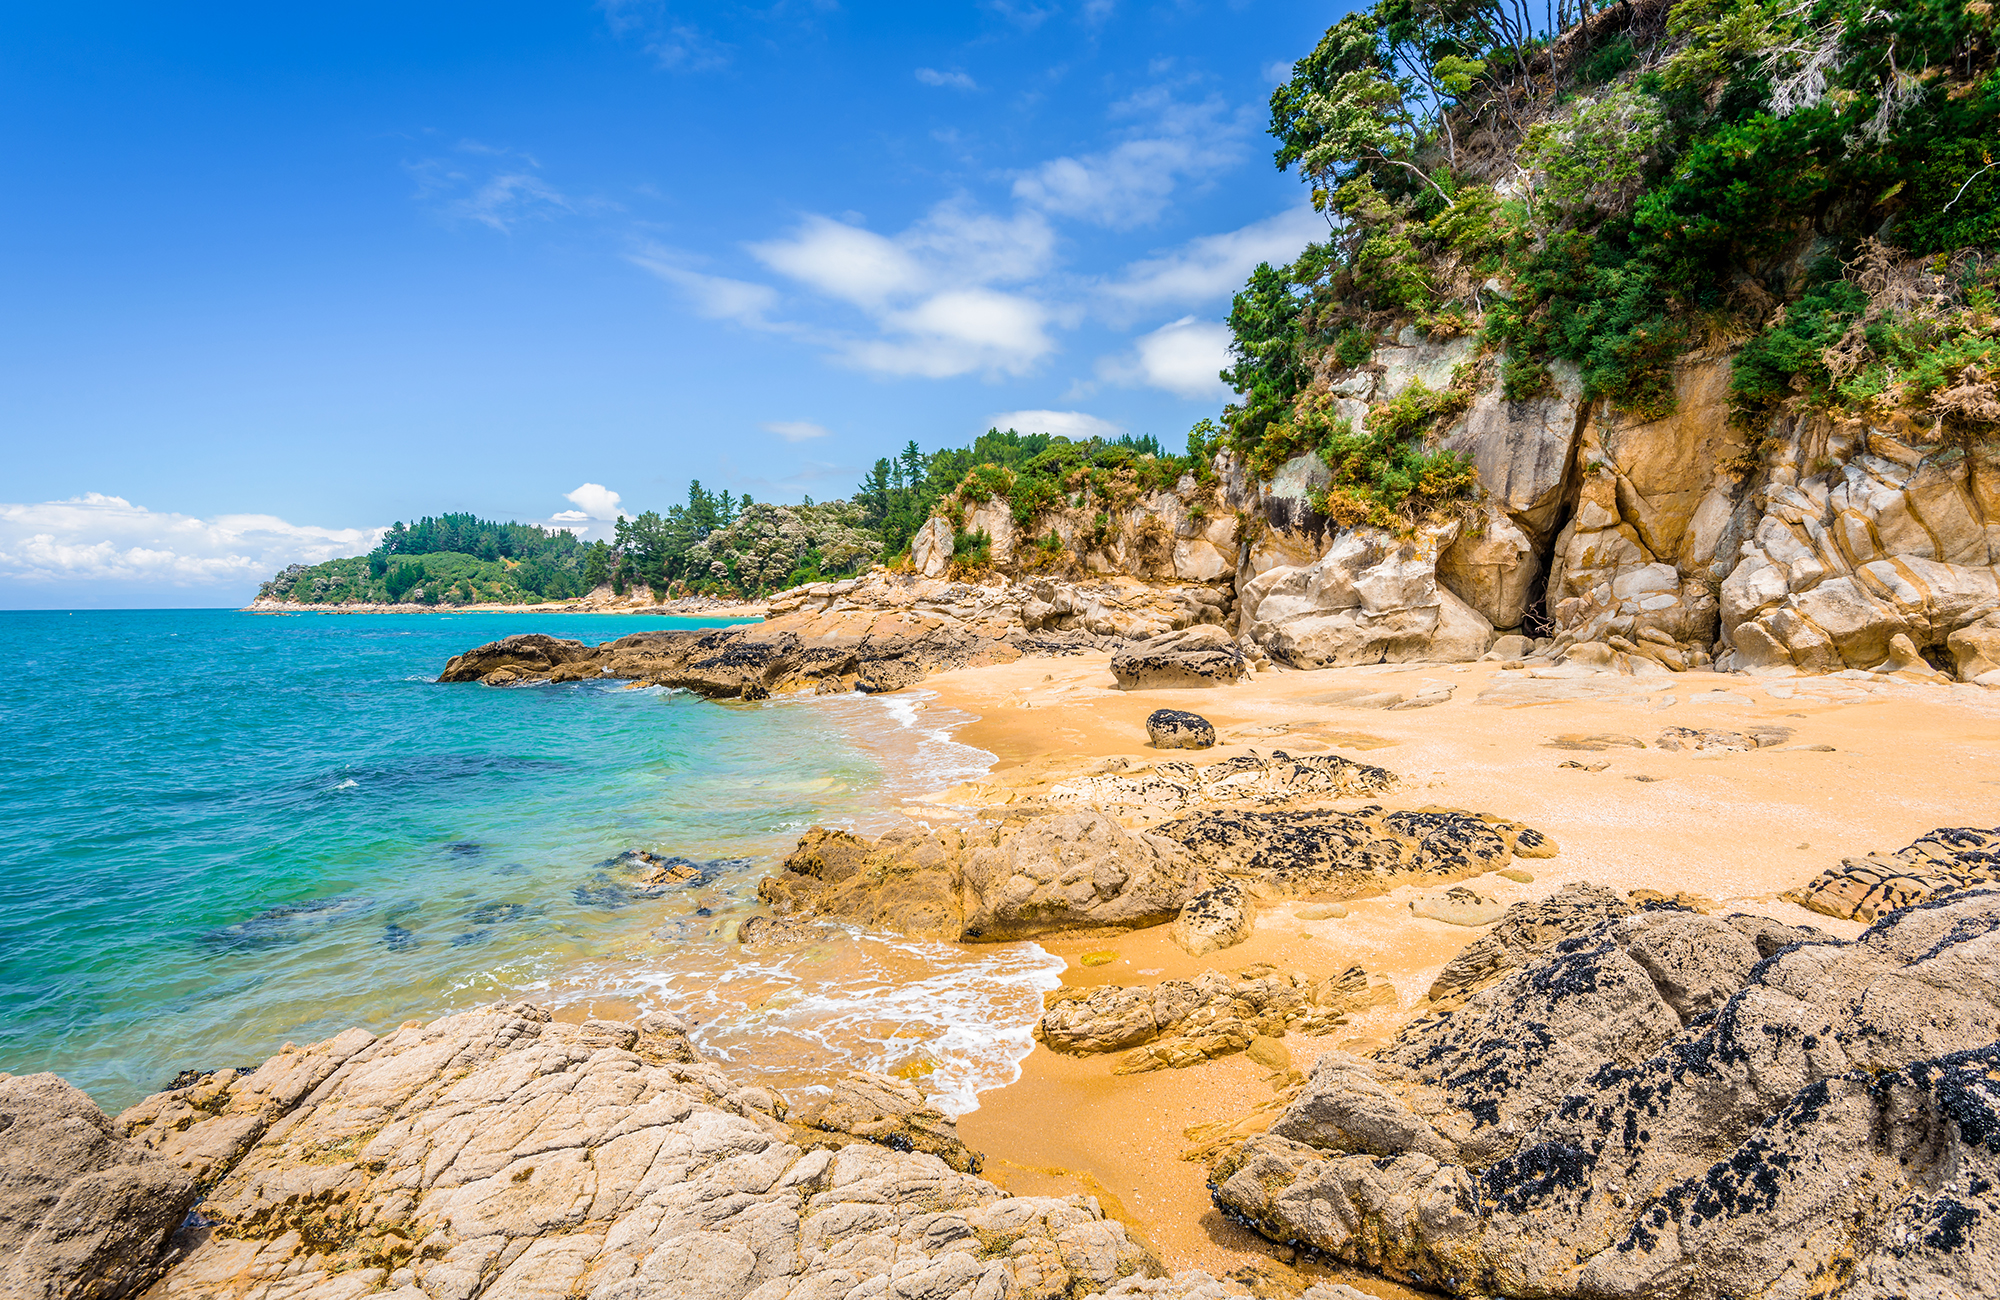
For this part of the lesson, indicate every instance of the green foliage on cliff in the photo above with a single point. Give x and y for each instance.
(1815, 181)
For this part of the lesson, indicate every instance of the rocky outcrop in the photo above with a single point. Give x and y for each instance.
(1199, 656)
(1862, 889)
(1247, 779)
(889, 1112)
(884, 632)
(1314, 852)
(1218, 917)
(1178, 1023)
(84, 1212)
(1178, 729)
(1060, 871)
(498, 1154)
(1661, 1107)
(1524, 932)
(1371, 598)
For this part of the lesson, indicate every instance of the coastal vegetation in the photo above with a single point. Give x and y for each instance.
(1813, 184)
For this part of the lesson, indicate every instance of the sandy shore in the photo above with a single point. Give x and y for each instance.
(1867, 766)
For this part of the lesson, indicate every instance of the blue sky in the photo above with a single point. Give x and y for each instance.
(276, 276)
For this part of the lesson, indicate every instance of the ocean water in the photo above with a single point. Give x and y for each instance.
(222, 831)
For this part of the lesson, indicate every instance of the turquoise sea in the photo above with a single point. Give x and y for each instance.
(221, 831)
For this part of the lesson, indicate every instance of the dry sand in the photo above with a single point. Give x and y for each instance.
(1868, 766)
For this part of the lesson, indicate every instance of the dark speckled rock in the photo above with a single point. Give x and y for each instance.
(1178, 729)
(1668, 1105)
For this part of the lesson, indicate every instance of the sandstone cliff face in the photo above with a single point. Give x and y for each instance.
(1646, 546)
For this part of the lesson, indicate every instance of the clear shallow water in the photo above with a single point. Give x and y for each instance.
(220, 831)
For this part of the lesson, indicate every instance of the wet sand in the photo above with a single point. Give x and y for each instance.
(1868, 766)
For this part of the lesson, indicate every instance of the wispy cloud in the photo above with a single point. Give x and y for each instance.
(1212, 267)
(1130, 183)
(100, 538)
(674, 43)
(795, 430)
(1078, 425)
(715, 297)
(496, 187)
(955, 80)
(1184, 357)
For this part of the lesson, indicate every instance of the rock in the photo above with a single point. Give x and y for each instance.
(889, 1112)
(1175, 729)
(1348, 855)
(772, 933)
(1863, 889)
(496, 1153)
(83, 1211)
(1708, 741)
(931, 548)
(1372, 598)
(1525, 932)
(1517, 875)
(1173, 786)
(1098, 958)
(1074, 870)
(1492, 566)
(1655, 1109)
(1065, 870)
(1322, 912)
(1218, 917)
(1203, 656)
(1178, 1023)
(1458, 906)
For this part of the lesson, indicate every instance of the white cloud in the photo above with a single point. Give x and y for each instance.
(1129, 184)
(1278, 73)
(843, 261)
(1214, 267)
(955, 80)
(595, 500)
(1066, 424)
(98, 538)
(715, 297)
(796, 430)
(1183, 357)
(928, 292)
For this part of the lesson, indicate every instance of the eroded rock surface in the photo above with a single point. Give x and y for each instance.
(1065, 870)
(1199, 656)
(891, 1112)
(1178, 1023)
(84, 1212)
(1861, 889)
(497, 1154)
(1248, 779)
(1290, 854)
(1662, 1107)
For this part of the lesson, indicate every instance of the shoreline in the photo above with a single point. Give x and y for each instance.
(1734, 828)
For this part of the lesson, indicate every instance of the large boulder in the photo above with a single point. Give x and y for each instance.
(84, 1213)
(888, 1111)
(1071, 871)
(526, 654)
(1661, 1107)
(1060, 871)
(1198, 656)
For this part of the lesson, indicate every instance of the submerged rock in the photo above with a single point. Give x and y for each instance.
(1662, 1107)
